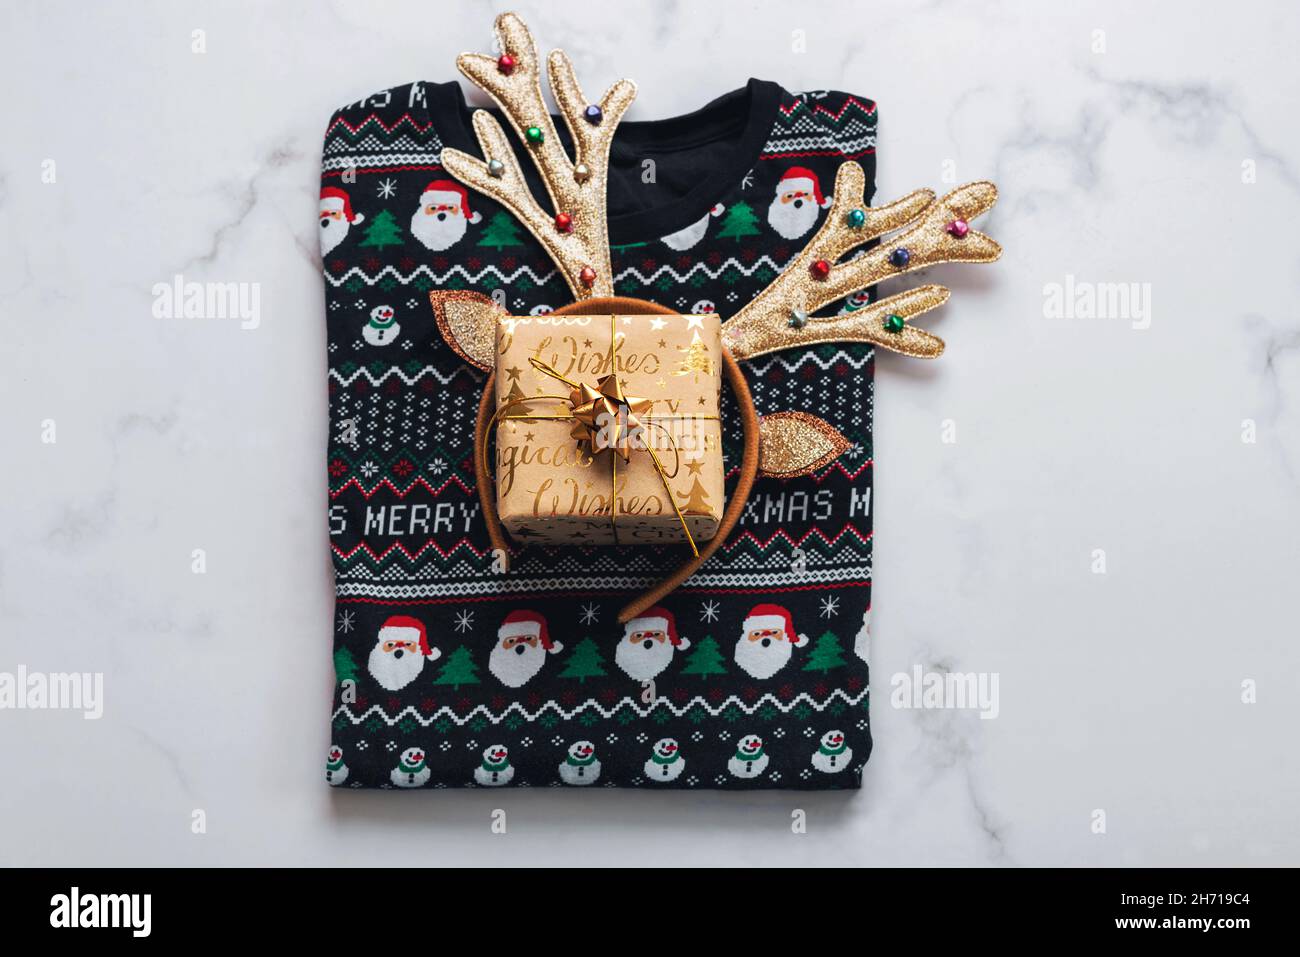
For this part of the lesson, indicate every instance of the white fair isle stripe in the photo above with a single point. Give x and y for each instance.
(596, 583)
(343, 711)
(378, 144)
(439, 278)
(503, 277)
(467, 571)
(828, 143)
(378, 161)
(729, 263)
(793, 363)
(397, 372)
(776, 561)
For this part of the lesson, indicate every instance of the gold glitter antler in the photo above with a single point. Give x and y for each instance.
(576, 237)
(778, 317)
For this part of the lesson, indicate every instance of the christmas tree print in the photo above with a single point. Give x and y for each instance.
(515, 393)
(696, 359)
(739, 223)
(345, 666)
(383, 231)
(696, 500)
(501, 231)
(705, 659)
(584, 663)
(826, 654)
(459, 670)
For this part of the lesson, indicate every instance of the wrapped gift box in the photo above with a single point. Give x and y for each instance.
(555, 479)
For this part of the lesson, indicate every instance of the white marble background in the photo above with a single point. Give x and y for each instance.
(1119, 691)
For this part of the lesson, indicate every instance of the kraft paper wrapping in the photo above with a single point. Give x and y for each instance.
(551, 488)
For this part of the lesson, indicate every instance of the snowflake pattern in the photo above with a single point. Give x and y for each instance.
(709, 611)
(464, 621)
(830, 606)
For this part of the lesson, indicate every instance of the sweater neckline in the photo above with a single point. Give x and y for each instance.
(744, 116)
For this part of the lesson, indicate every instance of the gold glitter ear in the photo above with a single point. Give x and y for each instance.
(576, 237)
(937, 231)
(795, 443)
(468, 321)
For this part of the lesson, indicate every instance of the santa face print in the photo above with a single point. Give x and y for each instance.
(440, 222)
(643, 653)
(382, 328)
(762, 652)
(685, 238)
(516, 658)
(334, 224)
(793, 212)
(862, 640)
(648, 644)
(396, 661)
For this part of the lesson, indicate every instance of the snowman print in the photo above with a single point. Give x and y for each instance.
(382, 329)
(666, 762)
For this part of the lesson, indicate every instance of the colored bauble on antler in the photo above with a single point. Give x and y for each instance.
(779, 445)
(576, 235)
(778, 317)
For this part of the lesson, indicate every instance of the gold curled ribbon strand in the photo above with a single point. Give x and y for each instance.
(609, 420)
(604, 416)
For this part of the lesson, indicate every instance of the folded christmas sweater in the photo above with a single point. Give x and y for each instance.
(753, 674)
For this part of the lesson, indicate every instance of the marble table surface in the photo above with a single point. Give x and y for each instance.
(1099, 505)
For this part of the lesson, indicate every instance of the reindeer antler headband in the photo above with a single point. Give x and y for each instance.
(575, 235)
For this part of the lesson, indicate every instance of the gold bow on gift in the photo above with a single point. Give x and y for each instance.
(603, 416)
(609, 420)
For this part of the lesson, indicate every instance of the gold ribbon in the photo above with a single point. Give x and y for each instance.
(609, 420)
